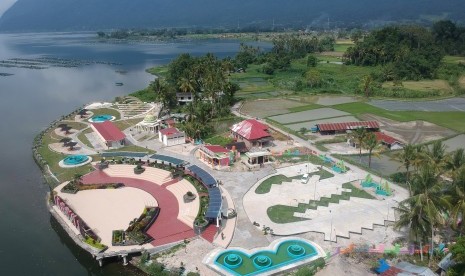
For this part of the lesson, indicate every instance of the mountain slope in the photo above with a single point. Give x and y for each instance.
(59, 15)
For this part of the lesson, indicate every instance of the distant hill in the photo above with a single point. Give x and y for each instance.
(66, 15)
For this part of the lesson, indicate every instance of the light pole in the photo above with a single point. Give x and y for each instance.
(331, 229)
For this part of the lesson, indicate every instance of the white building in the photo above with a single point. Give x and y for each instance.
(171, 136)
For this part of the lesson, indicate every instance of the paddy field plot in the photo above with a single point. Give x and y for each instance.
(310, 124)
(315, 114)
(265, 108)
(455, 143)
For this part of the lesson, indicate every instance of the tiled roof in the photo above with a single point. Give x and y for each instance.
(169, 131)
(251, 129)
(347, 125)
(109, 131)
(216, 149)
(380, 136)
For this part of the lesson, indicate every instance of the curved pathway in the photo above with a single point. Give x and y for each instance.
(167, 228)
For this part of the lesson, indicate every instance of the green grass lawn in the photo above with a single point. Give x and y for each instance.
(221, 140)
(83, 138)
(107, 111)
(74, 125)
(285, 214)
(451, 119)
(132, 148)
(124, 124)
(265, 186)
(342, 47)
(52, 158)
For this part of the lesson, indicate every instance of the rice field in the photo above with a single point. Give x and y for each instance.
(265, 108)
(455, 143)
(315, 114)
(424, 86)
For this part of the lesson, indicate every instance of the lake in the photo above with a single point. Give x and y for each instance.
(32, 243)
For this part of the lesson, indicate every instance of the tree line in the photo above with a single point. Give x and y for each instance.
(408, 52)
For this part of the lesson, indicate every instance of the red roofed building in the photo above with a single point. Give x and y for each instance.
(171, 136)
(333, 128)
(389, 141)
(109, 134)
(252, 133)
(217, 157)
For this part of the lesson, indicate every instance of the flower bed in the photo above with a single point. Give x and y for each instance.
(135, 234)
(74, 186)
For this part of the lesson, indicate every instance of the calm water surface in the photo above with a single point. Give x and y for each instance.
(31, 242)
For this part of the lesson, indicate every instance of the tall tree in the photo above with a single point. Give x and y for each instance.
(423, 210)
(406, 156)
(456, 198)
(358, 135)
(370, 143)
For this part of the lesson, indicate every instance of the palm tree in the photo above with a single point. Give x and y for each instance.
(407, 156)
(456, 161)
(437, 156)
(359, 135)
(456, 198)
(366, 85)
(423, 210)
(186, 84)
(370, 144)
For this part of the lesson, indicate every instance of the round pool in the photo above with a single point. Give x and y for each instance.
(75, 161)
(101, 118)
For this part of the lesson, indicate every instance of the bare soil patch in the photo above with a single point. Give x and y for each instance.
(414, 132)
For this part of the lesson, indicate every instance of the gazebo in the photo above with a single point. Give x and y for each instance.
(71, 145)
(65, 141)
(149, 124)
(82, 112)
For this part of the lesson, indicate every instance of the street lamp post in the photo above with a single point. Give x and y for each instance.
(331, 230)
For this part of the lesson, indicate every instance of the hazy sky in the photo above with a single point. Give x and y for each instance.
(5, 4)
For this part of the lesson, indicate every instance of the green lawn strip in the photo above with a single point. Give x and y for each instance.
(132, 148)
(219, 140)
(74, 125)
(449, 119)
(303, 108)
(265, 186)
(107, 111)
(83, 138)
(285, 214)
(124, 124)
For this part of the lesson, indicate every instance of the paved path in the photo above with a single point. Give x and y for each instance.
(167, 227)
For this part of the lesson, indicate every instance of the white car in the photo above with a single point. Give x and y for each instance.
(305, 178)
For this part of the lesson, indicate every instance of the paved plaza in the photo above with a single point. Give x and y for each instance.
(333, 220)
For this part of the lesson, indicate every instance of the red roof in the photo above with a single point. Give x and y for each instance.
(251, 129)
(169, 131)
(347, 125)
(109, 131)
(380, 136)
(216, 149)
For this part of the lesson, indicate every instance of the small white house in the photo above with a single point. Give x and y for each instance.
(171, 136)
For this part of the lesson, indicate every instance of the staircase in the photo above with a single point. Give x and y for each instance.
(210, 233)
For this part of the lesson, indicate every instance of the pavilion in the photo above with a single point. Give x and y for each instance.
(217, 157)
(150, 124)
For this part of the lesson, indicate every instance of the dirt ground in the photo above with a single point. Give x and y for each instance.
(414, 132)
(265, 108)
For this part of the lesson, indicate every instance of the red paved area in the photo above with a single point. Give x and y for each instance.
(210, 233)
(166, 228)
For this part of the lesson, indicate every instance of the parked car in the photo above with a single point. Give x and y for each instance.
(305, 178)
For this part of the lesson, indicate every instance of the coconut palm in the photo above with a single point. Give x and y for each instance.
(407, 157)
(437, 156)
(423, 210)
(370, 144)
(358, 135)
(366, 85)
(456, 198)
(456, 161)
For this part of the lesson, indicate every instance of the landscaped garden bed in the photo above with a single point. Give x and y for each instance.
(136, 234)
(75, 186)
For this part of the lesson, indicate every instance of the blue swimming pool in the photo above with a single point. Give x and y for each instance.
(75, 159)
(101, 118)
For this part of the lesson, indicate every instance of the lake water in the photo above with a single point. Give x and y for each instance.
(31, 242)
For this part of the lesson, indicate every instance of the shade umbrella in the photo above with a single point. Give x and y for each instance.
(62, 126)
(65, 141)
(71, 145)
(67, 129)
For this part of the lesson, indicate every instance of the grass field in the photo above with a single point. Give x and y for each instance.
(265, 186)
(424, 86)
(452, 119)
(285, 214)
(124, 124)
(132, 148)
(83, 138)
(107, 111)
(454, 59)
